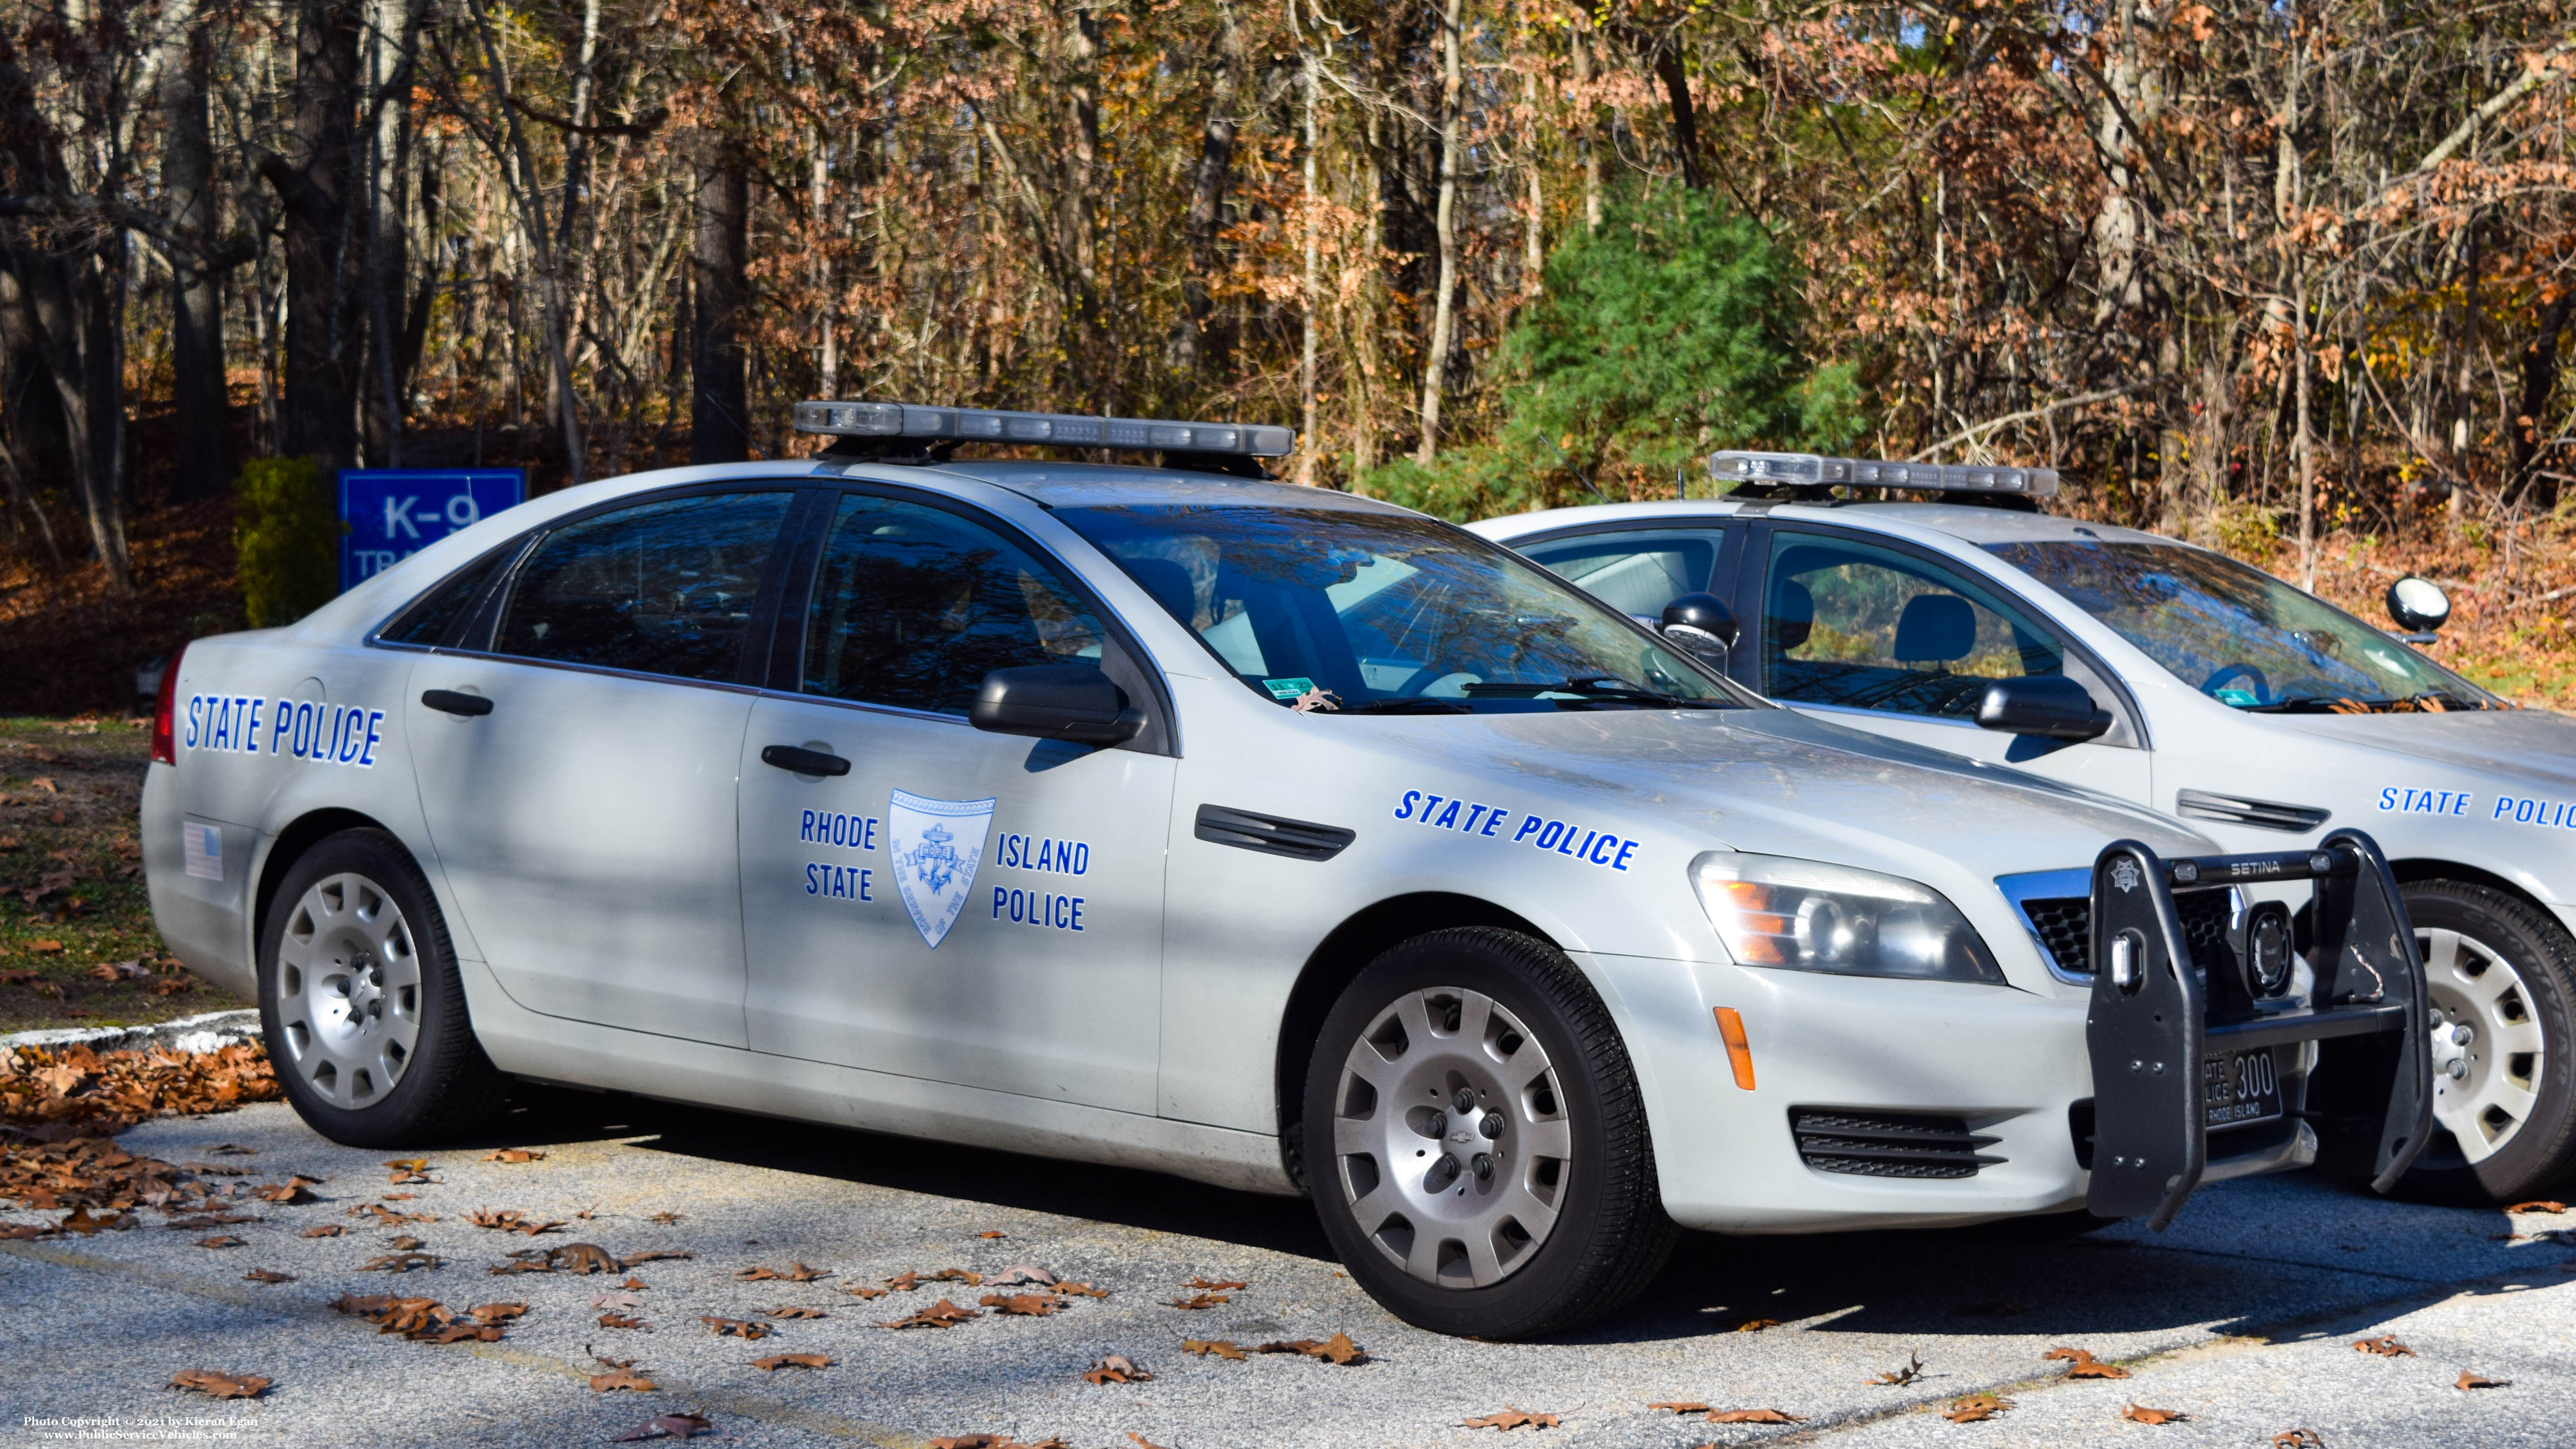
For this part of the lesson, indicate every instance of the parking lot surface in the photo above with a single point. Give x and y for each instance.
(2241, 1318)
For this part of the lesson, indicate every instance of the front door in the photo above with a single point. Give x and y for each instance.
(953, 905)
(1903, 644)
(585, 822)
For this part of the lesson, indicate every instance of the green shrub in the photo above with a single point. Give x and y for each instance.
(1674, 330)
(286, 538)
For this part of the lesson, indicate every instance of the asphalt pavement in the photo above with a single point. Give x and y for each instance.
(2241, 1318)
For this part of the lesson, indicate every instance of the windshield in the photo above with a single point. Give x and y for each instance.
(1356, 611)
(2238, 634)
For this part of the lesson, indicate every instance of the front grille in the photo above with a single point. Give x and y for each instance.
(2065, 928)
(1888, 1144)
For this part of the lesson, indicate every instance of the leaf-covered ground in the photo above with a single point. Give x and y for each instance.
(77, 946)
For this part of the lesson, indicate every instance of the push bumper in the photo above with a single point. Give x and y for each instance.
(2189, 1044)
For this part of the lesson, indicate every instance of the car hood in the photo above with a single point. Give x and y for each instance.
(1777, 782)
(2534, 745)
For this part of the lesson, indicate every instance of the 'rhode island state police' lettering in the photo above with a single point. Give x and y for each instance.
(839, 882)
(822, 827)
(299, 729)
(1037, 908)
(1558, 837)
(1039, 852)
(2425, 802)
(2547, 814)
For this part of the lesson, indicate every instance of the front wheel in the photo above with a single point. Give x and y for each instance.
(359, 1000)
(2501, 975)
(1478, 1145)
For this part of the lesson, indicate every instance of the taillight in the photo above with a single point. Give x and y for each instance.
(165, 739)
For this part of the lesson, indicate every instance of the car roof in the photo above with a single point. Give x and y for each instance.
(1968, 523)
(1097, 485)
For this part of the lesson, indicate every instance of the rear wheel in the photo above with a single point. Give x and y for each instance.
(1478, 1144)
(2501, 976)
(359, 1000)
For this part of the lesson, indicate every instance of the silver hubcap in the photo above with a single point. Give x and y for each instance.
(348, 991)
(2487, 1056)
(1450, 1138)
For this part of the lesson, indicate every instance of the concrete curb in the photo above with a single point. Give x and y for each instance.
(209, 1031)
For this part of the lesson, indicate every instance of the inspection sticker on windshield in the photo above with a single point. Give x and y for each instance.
(1288, 688)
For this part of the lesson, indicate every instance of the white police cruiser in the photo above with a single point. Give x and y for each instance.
(1168, 817)
(2166, 674)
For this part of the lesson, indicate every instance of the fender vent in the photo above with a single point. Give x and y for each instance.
(1888, 1144)
(2239, 810)
(1272, 834)
(2064, 925)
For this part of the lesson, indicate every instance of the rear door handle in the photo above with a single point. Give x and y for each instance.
(803, 761)
(455, 702)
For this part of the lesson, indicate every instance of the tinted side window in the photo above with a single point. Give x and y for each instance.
(438, 611)
(1870, 628)
(664, 588)
(913, 606)
(1635, 573)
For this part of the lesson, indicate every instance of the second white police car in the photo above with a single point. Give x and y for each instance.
(1170, 817)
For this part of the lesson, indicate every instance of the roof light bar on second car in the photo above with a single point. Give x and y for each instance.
(1808, 470)
(908, 420)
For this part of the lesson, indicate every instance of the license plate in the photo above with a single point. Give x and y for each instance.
(2240, 1087)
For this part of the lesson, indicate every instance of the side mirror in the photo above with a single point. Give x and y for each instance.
(1702, 624)
(1072, 702)
(2049, 705)
(2419, 606)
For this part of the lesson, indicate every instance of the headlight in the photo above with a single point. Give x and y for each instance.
(1810, 916)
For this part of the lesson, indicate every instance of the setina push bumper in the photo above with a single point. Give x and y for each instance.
(2209, 1063)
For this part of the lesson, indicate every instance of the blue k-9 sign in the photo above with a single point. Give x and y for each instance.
(389, 514)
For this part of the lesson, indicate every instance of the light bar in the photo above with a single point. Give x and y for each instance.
(905, 420)
(1807, 470)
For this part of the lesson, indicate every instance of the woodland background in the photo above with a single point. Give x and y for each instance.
(2290, 278)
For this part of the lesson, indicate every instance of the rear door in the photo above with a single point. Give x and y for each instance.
(585, 818)
(934, 901)
(1879, 635)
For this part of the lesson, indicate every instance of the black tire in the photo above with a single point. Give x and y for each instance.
(1609, 1235)
(2540, 1152)
(328, 1057)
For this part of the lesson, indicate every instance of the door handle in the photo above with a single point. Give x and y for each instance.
(803, 761)
(456, 703)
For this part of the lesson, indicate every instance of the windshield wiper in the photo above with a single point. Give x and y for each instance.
(1415, 704)
(2430, 701)
(1593, 688)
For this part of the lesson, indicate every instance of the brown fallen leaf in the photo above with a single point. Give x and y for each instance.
(620, 1320)
(2298, 1439)
(1754, 1416)
(1218, 1347)
(294, 1192)
(794, 1273)
(1338, 1349)
(509, 1220)
(633, 1261)
(1756, 1325)
(666, 1219)
(226, 1240)
(632, 1284)
(326, 1230)
(1199, 1300)
(1144, 1443)
(942, 1314)
(1080, 1290)
(409, 1169)
(958, 1275)
(496, 1312)
(2470, 1380)
(404, 1244)
(1904, 1373)
(620, 1379)
(267, 1275)
(1511, 1418)
(988, 1235)
(1215, 1287)
(2386, 1346)
(210, 1220)
(667, 1426)
(121, 971)
(775, 1362)
(386, 1217)
(1683, 1407)
(904, 1282)
(994, 1441)
(2081, 1364)
(221, 1386)
(1022, 1305)
(2550, 1209)
(1974, 1407)
(1117, 1368)
(2141, 1414)
(865, 1292)
(400, 1262)
(78, 1220)
(736, 1327)
(401, 1196)
(512, 1154)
